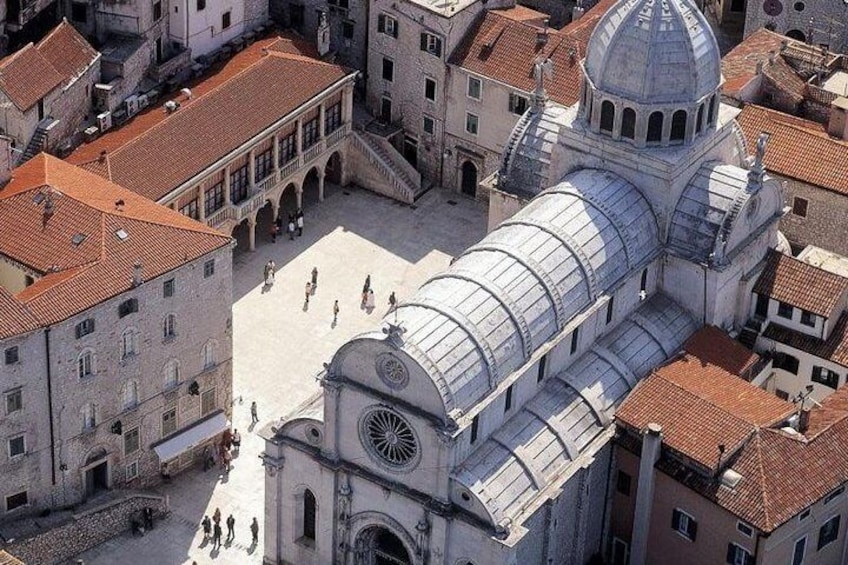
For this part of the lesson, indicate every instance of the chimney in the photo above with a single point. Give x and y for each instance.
(542, 35)
(137, 278)
(837, 124)
(804, 420)
(5, 160)
(759, 67)
(323, 39)
(102, 158)
(772, 56)
(651, 450)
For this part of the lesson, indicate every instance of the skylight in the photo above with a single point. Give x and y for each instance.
(122, 234)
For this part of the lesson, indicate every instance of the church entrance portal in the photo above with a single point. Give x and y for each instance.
(97, 479)
(469, 178)
(379, 546)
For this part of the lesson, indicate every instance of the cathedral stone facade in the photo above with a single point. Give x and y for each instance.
(474, 426)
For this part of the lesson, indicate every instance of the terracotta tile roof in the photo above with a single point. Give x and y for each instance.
(80, 275)
(739, 66)
(156, 153)
(26, 77)
(798, 148)
(68, 52)
(6, 559)
(15, 318)
(800, 284)
(714, 347)
(701, 405)
(834, 348)
(503, 47)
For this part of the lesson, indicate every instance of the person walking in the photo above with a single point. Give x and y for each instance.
(253, 417)
(216, 535)
(393, 300)
(299, 223)
(335, 311)
(207, 527)
(308, 291)
(216, 516)
(254, 530)
(227, 458)
(231, 527)
(314, 279)
(367, 286)
(291, 229)
(236, 441)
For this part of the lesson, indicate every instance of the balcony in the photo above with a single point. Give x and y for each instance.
(171, 66)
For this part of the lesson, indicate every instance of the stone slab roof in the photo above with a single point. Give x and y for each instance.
(800, 284)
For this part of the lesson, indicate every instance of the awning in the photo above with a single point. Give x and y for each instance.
(192, 436)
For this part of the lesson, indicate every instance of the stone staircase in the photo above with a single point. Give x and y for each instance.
(750, 332)
(396, 177)
(36, 143)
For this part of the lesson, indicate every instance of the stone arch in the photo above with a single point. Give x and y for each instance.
(711, 113)
(678, 125)
(628, 123)
(362, 522)
(699, 123)
(334, 168)
(242, 234)
(468, 178)
(655, 127)
(607, 121)
(797, 35)
(93, 455)
(289, 200)
(312, 187)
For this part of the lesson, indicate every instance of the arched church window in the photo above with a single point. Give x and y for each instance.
(678, 125)
(700, 122)
(712, 110)
(655, 127)
(607, 116)
(309, 515)
(628, 123)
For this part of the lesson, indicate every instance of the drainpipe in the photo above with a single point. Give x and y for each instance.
(651, 449)
(50, 407)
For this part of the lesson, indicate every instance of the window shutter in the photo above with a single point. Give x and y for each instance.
(731, 554)
(749, 559)
(91, 324)
(381, 23)
(395, 29)
(423, 41)
(675, 520)
(693, 529)
(438, 51)
(78, 330)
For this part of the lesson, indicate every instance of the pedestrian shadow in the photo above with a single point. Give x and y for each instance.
(266, 288)
(251, 426)
(306, 306)
(333, 324)
(225, 478)
(214, 553)
(204, 543)
(252, 548)
(228, 543)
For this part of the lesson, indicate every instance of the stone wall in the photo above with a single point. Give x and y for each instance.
(824, 224)
(73, 108)
(85, 530)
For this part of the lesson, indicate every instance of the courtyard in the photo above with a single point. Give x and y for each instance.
(280, 343)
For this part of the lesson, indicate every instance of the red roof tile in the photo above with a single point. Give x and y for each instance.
(714, 347)
(798, 148)
(68, 52)
(15, 318)
(80, 275)
(739, 66)
(26, 77)
(800, 284)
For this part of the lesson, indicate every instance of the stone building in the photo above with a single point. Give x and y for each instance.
(24, 21)
(818, 22)
(46, 89)
(708, 468)
(110, 367)
(475, 427)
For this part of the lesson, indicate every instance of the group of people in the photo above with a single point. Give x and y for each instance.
(223, 451)
(212, 528)
(295, 223)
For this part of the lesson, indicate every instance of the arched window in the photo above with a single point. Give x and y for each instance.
(797, 35)
(655, 127)
(169, 327)
(309, 515)
(589, 104)
(89, 417)
(628, 123)
(85, 364)
(171, 373)
(129, 395)
(208, 355)
(678, 125)
(699, 124)
(712, 110)
(129, 343)
(607, 116)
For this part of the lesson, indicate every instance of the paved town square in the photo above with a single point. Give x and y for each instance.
(279, 345)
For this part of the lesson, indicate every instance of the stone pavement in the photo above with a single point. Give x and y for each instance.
(280, 343)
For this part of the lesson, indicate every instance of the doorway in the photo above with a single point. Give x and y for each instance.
(469, 178)
(410, 150)
(382, 547)
(386, 110)
(41, 109)
(761, 309)
(97, 479)
(160, 54)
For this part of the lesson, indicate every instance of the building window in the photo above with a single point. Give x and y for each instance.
(225, 20)
(826, 377)
(711, 114)
(129, 343)
(131, 441)
(310, 133)
(475, 88)
(540, 370)
(475, 423)
(201, 5)
(518, 104)
(288, 148)
(127, 307)
(207, 402)
(655, 127)
(169, 327)
(575, 340)
(85, 364)
(828, 532)
(610, 307)
(14, 401)
(430, 89)
(17, 446)
(744, 529)
(79, 12)
(622, 483)
(388, 69)
(296, 15)
(168, 288)
(808, 319)
(190, 210)
(208, 268)
(834, 495)
(620, 552)
(333, 118)
(607, 116)
(799, 551)
(628, 123)
(15, 501)
(684, 524)
(799, 206)
(239, 184)
(129, 395)
(508, 402)
(804, 515)
(157, 11)
(169, 422)
(132, 471)
(347, 29)
(84, 328)
(785, 310)
(264, 164)
(171, 374)
(786, 362)
(472, 123)
(387, 24)
(213, 199)
(89, 417)
(309, 515)
(208, 355)
(738, 555)
(678, 125)
(11, 355)
(431, 44)
(429, 125)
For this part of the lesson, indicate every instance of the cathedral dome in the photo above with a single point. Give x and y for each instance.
(654, 52)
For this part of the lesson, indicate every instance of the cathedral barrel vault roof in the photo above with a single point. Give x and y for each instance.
(506, 296)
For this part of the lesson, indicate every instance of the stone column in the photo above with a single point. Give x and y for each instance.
(299, 138)
(251, 224)
(321, 131)
(321, 176)
(251, 169)
(299, 194)
(201, 209)
(273, 522)
(651, 450)
(276, 153)
(227, 194)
